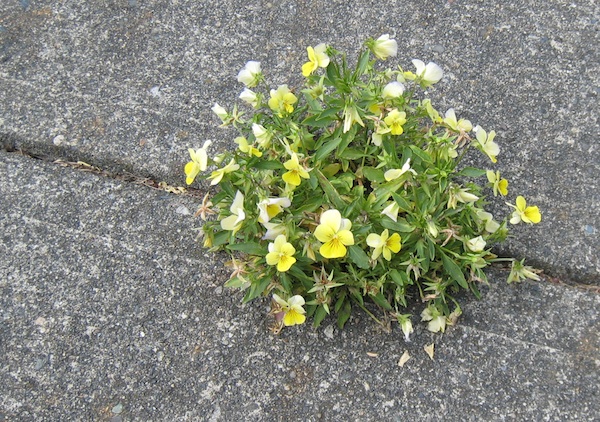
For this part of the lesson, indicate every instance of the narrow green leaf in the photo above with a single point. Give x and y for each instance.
(327, 148)
(250, 248)
(380, 300)
(344, 314)
(454, 270)
(471, 172)
(332, 194)
(320, 315)
(402, 203)
(401, 225)
(358, 256)
(420, 153)
(268, 165)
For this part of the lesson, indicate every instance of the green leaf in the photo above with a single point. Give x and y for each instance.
(454, 270)
(319, 316)
(373, 174)
(327, 148)
(344, 314)
(236, 283)
(249, 248)
(398, 226)
(352, 154)
(256, 289)
(333, 196)
(420, 153)
(402, 203)
(363, 62)
(358, 256)
(471, 172)
(267, 165)
(400, 278)
(380, 300)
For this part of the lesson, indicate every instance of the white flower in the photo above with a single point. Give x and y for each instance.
(392, 90)
(234, 221)
(262, 135)
(220, 111)
(392, 210)
(461, 125)
(384, 47)
(249, 97)
(476, 244)
(396, 173)
(250, 75)
(274, 230)
(428, 74)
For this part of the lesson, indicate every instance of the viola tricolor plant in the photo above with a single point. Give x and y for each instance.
(349, 193)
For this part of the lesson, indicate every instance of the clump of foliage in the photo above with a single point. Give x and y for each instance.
(351, 190)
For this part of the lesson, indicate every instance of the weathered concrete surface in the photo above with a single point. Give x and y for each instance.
(128, 86)
(109, 312)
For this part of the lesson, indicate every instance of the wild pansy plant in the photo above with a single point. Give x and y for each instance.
(349, 193)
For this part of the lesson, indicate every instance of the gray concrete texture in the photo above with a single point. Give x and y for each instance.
(128, 86)
(110, 311)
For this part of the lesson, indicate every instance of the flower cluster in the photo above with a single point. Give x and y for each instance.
(349, 193)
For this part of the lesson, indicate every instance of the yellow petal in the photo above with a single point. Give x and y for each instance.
(533, 214)
(292, 318)
(333, 249)
(291, 178)
(346, 237)
(324, 233)
(503, 187)
(191, 171)
(521, 203)
(285, 262)
(394, 243)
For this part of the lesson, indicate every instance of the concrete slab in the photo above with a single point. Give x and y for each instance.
(128, 86)
(108, 311)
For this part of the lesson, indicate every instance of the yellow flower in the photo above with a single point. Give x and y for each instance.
(281, 100)
(524, 213)
(199, 162)
(383, 47)
(384, 244)
(234, 221)
(486, 143)
(334, 232)
(461, 125)
(316, 58)
(292, 308)
(217, 175)
(247, 148)
(281, 253)
(498, 184)
(270, 207)
(296, 171)
(395, 119)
